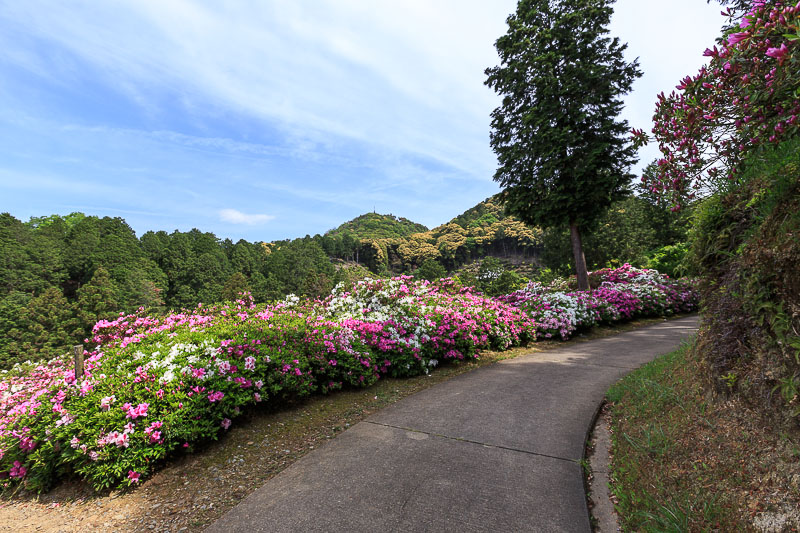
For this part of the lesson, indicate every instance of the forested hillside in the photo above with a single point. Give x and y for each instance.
(61, 274)
(481, 231)
(376, 226)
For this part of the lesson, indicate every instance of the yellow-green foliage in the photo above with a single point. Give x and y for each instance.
(479, 231)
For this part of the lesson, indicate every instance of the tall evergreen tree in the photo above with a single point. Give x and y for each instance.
(47, 326)
(235, 285)
(562, 152)
(95, 300)
(11, 324)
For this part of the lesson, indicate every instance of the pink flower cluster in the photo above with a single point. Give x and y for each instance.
(135, 412)
(746, 97)
(153, 432)
(622, 294)
(195, 371)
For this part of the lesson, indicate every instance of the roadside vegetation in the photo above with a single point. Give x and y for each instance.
(687, 460)
(156, 387)
(195, 488)
(709, 438)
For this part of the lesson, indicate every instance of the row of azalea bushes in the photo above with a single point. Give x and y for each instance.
(155, 386)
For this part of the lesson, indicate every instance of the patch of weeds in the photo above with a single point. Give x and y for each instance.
(684, 460)
(652, 442)
(585, 466)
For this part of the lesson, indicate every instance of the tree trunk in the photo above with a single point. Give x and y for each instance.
(580, 259)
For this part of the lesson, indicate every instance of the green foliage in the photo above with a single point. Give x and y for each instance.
(29, 261)
(633, 230)
(492, 277)
(669, 259)
(95, 301)
(563, 155)
(101, 267)
(300, 267)
(235, 285)
(659, 483)
(744, 244)
(484, 214)
(11, 310)
(431, 270)
(349, 274)
(480, 231)
(375, 226)
(46, 327)
(561, 80)
(507, 282)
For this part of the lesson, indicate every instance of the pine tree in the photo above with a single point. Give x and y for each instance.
(563, 154)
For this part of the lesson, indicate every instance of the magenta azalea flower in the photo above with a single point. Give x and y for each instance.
(734, 38)
(778, 53)
(18, 471)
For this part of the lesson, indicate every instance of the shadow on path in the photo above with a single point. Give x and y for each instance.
(496, 449)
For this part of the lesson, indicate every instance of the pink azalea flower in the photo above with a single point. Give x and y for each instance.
(226, 423)
(18, 471)
(778, 53)
(133, 476)
(735, 38)
(106, 402)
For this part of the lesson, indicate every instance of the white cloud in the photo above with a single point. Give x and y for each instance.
(322, 109)
(405, 77)
(235, 216)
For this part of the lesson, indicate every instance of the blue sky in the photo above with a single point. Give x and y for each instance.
(275, 119)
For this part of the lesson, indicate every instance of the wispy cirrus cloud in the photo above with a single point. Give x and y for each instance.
(314, 111)
(320, 69)
(234, 216)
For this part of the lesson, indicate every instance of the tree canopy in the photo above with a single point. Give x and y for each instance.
(562, 152)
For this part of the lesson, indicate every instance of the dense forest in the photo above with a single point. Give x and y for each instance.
(60, 274)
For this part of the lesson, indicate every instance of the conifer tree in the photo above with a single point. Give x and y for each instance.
(95, 300)
(47, 326)
(562, 151)
(235, 285)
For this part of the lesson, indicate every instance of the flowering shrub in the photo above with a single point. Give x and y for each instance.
(420, 321)
(746, 97)
(156, 385)
(619, 294)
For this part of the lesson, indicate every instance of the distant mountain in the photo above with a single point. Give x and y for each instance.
(385, 243)
(375, 226)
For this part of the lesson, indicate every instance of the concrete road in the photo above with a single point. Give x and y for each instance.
(496, 449)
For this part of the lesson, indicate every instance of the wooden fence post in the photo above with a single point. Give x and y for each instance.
(77, 351)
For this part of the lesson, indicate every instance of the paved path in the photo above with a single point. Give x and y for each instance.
(496, 449)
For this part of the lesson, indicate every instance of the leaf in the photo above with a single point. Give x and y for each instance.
(791, 37)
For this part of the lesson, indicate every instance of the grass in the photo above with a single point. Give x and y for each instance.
(684, 460)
